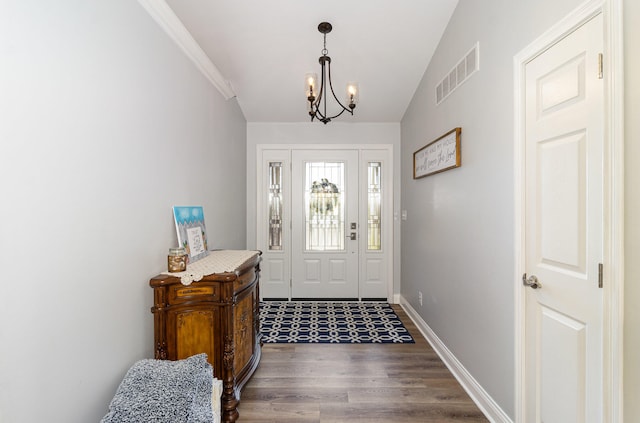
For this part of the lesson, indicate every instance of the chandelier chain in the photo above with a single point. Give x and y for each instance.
(324, 50)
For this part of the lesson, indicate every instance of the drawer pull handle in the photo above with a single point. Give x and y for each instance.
(194, 291)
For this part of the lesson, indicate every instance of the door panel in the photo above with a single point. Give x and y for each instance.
(564, 229)
(562, 177)
(563, 348)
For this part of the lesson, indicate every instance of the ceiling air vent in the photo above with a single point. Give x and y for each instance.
(466, 67)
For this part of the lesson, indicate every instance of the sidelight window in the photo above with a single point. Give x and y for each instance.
(275, 206)
(374, 193)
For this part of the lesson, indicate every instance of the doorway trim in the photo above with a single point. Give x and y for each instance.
(613, 213)
(390, 199)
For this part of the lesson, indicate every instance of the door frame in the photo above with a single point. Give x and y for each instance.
(389, 201)
(613, 201)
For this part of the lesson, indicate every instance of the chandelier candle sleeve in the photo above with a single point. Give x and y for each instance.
(353, 92)
(310, 82)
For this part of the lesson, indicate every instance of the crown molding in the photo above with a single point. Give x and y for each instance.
(169, 22)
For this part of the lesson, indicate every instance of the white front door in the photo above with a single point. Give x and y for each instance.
(564, 230)
(324, 224)
(304, 229)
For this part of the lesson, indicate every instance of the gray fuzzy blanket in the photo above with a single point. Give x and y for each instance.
(164, 391)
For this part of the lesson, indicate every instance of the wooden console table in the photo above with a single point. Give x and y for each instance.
(217, 315)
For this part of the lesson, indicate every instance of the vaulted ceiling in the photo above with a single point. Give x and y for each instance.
(264, 49)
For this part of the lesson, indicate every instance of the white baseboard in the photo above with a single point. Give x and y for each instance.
(482, 399)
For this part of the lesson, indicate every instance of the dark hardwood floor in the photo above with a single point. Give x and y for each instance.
(334, 383)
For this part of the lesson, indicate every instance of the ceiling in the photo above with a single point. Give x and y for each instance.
(264, 49)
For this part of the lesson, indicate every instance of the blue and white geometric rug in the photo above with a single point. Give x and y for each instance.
(331, 322)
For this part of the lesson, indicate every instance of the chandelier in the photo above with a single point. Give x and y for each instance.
(318, 98)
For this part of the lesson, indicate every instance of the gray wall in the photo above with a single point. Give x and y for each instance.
(458, 240)
(632, 211)
(105, 126)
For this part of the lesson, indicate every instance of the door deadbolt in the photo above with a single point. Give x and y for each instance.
(531, 281)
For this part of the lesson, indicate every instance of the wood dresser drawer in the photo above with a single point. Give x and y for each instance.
(243, 280)
(195, 292)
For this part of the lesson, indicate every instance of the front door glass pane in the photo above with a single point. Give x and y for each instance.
(324, 211)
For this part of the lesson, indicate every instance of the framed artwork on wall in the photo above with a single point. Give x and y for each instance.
(439, 155)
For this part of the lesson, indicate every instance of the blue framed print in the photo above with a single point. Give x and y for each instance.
(191, 230)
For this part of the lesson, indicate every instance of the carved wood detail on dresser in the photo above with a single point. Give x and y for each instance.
(217, 315)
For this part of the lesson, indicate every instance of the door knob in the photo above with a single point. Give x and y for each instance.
(531, 281)
(352, 236)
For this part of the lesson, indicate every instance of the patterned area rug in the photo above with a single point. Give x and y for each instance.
(331, 322)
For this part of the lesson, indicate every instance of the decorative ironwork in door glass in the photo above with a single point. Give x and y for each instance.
(324, 199)
(275, 206)
(374, 211)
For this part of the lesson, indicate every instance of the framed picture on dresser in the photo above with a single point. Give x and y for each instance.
(191, 230)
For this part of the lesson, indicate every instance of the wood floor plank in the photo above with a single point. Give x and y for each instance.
(311, 370)
(400, 413)
(334, 383)
(264, 412)
(429, 395)
(296, 395)
(339, 382)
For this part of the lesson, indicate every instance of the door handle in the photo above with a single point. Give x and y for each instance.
(352, 236)
(531, 281)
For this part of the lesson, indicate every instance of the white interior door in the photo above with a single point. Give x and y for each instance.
(564, 230)
(324, 224)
